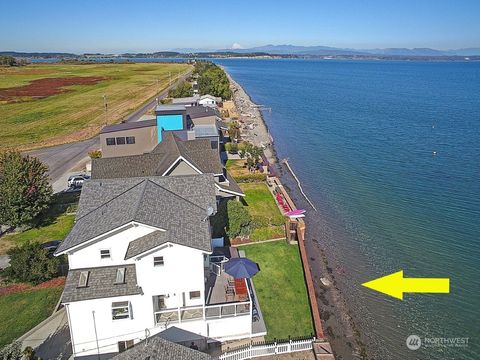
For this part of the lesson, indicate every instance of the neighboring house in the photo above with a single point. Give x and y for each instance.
(187, 101)
(209, 100)
(205, 122)
(134, 138)
(157, 348)
(131, 138)
(171, 157)
(170, 117)
(140, 262)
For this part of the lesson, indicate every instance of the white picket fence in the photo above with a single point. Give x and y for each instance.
(257, 350)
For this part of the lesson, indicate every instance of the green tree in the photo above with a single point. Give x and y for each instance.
(234, 131)
(25, 189)
(238, 219)
(183, 90)
(7, 60)
(252, 154)
(31, 263)
(212, 80)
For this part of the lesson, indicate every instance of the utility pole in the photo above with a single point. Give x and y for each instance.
(105, 106)
(96, 336)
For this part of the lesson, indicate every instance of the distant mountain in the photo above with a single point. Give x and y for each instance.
(38, 54)
(326, 50)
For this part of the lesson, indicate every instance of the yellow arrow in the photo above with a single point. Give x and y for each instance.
(395, 285)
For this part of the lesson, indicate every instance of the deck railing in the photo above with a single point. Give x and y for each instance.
(207, 312)
(268, 348)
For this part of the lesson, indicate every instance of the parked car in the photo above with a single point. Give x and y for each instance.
(51, 246)
(76, 181)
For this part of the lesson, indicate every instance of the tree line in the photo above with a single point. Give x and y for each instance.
(212, 80)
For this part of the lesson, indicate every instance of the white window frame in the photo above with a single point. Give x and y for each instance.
(85, 274)
(117, 305)
(121, 271)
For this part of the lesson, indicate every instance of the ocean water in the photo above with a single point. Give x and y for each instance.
(390, 154)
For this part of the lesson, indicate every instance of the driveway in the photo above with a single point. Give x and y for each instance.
(51, 338)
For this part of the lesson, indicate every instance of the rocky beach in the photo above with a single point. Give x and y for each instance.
(337, 321)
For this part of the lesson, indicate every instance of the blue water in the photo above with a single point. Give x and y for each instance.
(390, 154)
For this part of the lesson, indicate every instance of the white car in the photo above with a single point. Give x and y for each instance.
(76, 181)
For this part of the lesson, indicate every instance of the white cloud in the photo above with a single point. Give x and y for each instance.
(237, 46)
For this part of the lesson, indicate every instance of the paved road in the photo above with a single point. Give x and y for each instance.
(62, 158)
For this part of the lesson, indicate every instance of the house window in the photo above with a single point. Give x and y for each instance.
(83, 279)
(120, 140)
(120, 310)
(105, 254)
(130, 139)
(159, 302)
(110, 141)
(125, 345)
(194, 295)
(158, 261)
(120, 277)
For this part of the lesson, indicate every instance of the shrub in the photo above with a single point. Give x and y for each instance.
(11, 351)
(231, 148)
(31, 263)
(95, 154)
(252, 177)
(25, 188)
(238, 219)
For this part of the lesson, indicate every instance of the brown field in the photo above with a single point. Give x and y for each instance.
(42, 88)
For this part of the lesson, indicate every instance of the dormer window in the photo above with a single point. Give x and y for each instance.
(105, 254)
(120, 277)
(83, 279)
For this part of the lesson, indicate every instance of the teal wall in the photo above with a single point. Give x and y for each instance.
(168, 122)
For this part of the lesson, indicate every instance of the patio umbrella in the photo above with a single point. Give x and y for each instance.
(241, 268)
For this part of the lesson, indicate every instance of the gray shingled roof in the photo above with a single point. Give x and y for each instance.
(173, 203)
(198, 152)
(196, 112)
(231, 185)
(101, 284)
(129, 126)
(157, 348)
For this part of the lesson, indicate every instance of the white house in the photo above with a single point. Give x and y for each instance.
(209, 100)
(140, 262)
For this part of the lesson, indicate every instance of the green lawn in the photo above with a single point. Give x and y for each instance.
(55, 224)
(281, 289)
(79, 113)
(239, 171)
(267, 220)
(22, 311)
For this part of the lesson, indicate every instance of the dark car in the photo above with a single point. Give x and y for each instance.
(51, 246)
(76, 181)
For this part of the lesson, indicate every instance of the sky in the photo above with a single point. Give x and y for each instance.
(115, 26)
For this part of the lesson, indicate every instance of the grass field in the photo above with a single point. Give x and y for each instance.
(78, 113)
(22, 311)
(55, 224)
(267, 220)
(281, 289)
